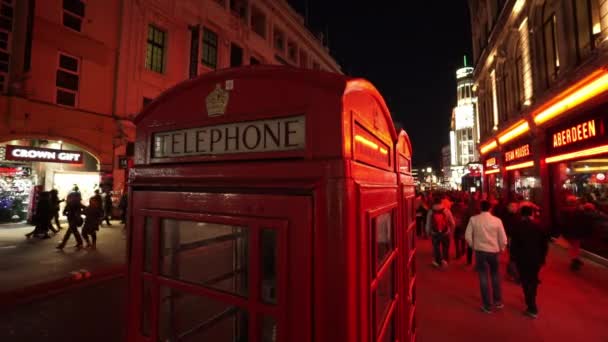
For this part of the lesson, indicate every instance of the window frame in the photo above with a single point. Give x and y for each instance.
(589, 26)
(65, 12)
(253, 304)
(205, 46)
(76, 93)
(275, 30)
(155, 45)
(549, 25)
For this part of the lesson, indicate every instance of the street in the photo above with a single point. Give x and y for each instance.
(92, 313)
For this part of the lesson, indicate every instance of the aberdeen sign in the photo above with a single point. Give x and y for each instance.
(36, 154)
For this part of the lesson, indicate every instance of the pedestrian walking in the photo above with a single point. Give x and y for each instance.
(529, 247)
(123, 205)
(421, 212)
(510, 219)
(42, 217)
(461, 219)
(73, 211)
(439, 225)
(55, 207)
(107, 207)
(93, 217)
(486, 235)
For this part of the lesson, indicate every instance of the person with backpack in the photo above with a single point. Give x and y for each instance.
(439, 224)
(486, 235)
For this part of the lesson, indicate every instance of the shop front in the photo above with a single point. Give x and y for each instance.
(578, 169)
(28, 167)
(523, 179)
(493, 176)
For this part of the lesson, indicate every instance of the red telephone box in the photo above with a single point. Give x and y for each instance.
(266, 205)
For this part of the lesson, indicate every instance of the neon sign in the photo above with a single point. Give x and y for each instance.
(23, 153)
(520, 152)
(576, 133)
(490, 162)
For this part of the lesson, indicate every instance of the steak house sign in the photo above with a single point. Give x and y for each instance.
(284, 134)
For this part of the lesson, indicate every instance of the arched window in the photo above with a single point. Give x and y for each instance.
(550, 44)
(587, 26)
(518, 78)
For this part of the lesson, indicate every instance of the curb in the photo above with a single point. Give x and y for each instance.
(75, 279)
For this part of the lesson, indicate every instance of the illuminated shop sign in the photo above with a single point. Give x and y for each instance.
(520, 152)
(23, 153)
(579, 132)
(285, 134)
(491, 162)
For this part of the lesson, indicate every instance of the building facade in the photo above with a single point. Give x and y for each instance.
(73, 75)
(542, 81)
(464, 127)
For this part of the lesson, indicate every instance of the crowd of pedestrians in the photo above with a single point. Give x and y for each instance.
(482, 229)
(99, 209)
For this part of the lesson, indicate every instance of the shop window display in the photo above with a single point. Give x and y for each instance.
(15, 186)
(582, 187)
(526, 183)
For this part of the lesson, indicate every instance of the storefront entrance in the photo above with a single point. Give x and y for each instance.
(28, 167)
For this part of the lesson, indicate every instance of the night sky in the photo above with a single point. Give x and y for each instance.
(409, 50)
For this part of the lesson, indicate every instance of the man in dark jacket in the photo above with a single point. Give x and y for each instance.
(529, 247)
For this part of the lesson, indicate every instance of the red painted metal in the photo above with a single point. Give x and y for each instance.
(338, 203)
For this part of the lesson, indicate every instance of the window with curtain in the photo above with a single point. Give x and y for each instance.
(550, 44)
(587, 26)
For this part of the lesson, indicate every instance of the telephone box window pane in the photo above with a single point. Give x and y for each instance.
(269, 265)
(384, 237)
(384, 296)
(269, 329)
(186, 317)
(389, 334)
(148, 236)
(146, 308)
(210, 254)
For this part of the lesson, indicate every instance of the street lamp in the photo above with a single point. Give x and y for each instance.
(429, 169)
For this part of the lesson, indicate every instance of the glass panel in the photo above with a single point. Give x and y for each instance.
(581, 203)
(67, 80)
(269, 329)
(72, 22)
(66, 98)
(188, 318)
(268, 240)
(384, 237)
(209, 254)
(148, 237)
(384, 296)
(69, 63)
(389, 334)
(146, 308)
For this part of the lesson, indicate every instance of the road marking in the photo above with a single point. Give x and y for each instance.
(8, 247)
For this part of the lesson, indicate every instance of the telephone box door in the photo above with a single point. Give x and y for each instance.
(220, 267)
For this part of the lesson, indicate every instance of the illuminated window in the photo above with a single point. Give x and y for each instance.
(550, 45)
(258, 21)
(209, 48)
(67, 80)
(73, 14)
(279, 39)
(587, 26)
(155, 52)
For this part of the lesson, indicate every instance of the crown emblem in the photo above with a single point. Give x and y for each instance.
(217, 101)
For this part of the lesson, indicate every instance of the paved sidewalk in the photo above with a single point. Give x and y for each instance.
(573, 306)
(31, 263)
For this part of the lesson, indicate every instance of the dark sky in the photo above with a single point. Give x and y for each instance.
(409, 50)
